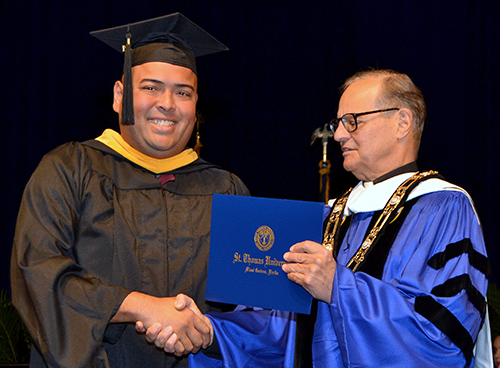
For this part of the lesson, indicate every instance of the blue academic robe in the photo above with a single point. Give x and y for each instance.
(429, 298)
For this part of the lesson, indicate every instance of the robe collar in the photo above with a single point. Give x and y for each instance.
(411, 167)
(370, 197)
(115, 141)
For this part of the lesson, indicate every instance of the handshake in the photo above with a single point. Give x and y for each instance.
(184, 336)
(174, 324)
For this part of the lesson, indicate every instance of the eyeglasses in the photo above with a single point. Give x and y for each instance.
(350, 121)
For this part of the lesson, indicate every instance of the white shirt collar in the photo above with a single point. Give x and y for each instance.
(366, 197)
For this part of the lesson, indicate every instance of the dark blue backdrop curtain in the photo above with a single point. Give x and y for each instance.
(262, 100)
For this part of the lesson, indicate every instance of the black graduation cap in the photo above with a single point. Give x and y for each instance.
(172, 39)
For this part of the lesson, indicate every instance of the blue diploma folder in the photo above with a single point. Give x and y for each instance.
(248, 238)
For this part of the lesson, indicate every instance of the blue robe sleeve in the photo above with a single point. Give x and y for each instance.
(427, 309)
(249, 339)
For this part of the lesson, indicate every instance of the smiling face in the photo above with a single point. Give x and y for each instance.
(165, 97)
(380, 144)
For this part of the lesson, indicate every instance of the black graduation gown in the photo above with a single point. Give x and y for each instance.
(93, 227)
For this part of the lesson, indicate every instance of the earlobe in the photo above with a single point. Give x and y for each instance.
(117, 96)
(405, 122)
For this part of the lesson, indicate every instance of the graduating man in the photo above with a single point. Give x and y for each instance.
(401, 277)
(111, 229)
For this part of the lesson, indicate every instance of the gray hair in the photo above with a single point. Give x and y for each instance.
(398, 89)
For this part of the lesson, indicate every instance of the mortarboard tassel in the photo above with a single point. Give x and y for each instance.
(128, 101)
(198, 145)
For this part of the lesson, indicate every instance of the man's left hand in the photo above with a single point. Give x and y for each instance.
(311, 266)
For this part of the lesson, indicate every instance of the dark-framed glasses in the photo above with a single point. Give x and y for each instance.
(350, 121)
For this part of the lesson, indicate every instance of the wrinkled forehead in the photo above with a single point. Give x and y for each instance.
(361, 95)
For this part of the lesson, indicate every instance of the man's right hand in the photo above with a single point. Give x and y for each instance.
(191, 331)
(166, 338)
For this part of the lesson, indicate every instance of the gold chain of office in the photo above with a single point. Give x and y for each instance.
(333, 222)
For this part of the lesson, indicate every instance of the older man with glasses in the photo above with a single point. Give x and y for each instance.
(400, 278)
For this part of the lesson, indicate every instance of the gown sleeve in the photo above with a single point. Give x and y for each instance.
(248, 339)
(427, 309)
(65, 308)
